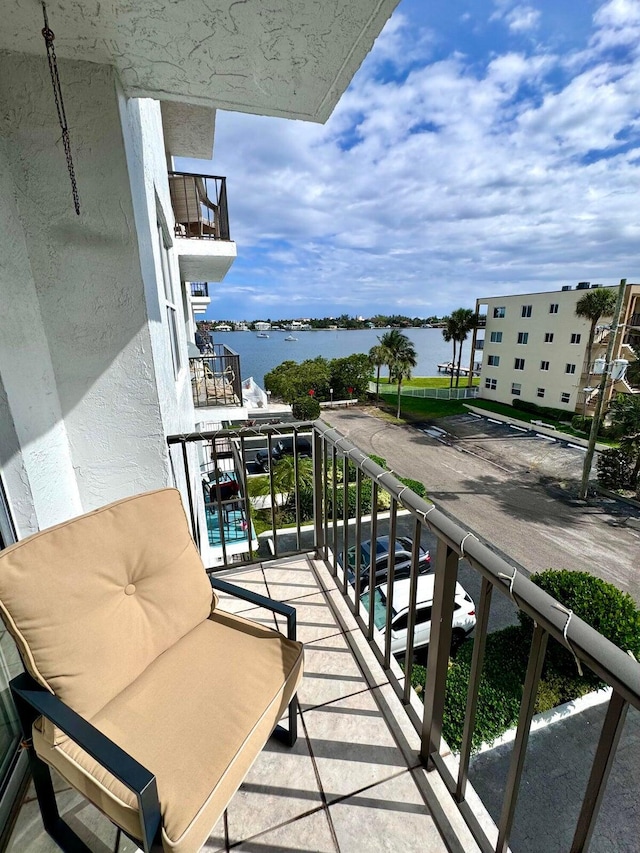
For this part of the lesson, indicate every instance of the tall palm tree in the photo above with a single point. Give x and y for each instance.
(464, 320)
(378, 356)
(390, 343)
(449, 334)
(403, 358)
(596, 303)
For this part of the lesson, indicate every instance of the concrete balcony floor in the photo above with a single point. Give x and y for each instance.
(352, 783)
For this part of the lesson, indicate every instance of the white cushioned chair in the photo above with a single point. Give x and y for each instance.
(144, 695)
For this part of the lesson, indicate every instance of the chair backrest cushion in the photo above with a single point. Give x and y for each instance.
(93, 601)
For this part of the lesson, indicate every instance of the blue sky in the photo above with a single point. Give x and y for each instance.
(482, 148)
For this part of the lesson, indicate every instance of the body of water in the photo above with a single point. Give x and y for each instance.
(260, 355)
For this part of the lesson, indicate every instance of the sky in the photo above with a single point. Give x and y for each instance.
(484, 147)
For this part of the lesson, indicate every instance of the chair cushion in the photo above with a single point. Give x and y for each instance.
(93, 601)
(196, 718)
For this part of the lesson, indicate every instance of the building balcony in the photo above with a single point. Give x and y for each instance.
(202, 239)
(200, 298)
(371, 769)
(481, 321)
(215, 378)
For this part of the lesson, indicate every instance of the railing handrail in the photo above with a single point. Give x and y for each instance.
(609, 662)
(173, 173)
(335, 461)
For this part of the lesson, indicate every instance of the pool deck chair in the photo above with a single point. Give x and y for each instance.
(146, 697)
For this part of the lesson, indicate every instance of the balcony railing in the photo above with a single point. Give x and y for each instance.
(481, 321)
(215, 378)
(343, 475)
(200, 289)
(199, 206)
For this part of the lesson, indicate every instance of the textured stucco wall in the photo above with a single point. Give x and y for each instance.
(35, 457)
(143, 138)
(89, 341)
(292, 58)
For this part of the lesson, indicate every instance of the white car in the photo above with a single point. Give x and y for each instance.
(464, 613)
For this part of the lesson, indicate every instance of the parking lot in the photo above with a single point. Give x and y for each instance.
(513, 491)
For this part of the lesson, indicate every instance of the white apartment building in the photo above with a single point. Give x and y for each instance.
(97, 323)
(534, 347)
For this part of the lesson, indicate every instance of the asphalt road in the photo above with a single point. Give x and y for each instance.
(502, 487)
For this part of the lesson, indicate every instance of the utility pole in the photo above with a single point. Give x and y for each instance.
(588, 458)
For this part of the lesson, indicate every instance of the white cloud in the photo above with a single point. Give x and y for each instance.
(519, 18)
(453, 180)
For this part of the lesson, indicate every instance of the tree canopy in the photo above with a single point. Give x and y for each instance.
(290, 381)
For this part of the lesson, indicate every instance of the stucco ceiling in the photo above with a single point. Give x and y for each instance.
(290, 58)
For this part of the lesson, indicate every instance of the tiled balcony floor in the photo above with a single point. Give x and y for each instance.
(352, 783)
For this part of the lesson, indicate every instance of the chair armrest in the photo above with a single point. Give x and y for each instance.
(260, 601)
(113, 758)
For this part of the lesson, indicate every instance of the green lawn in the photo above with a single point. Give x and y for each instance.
(429, 381)
(417, 408)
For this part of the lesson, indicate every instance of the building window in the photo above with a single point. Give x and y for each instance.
(499, 313)
(172, 317)
(553, 308)
(518, 364)
(544, 365)
(548, 337)
(492, 384)
(575, 338)
(527, 310)
(493, 360)
(570, 368)
(523, 337)
(565, 397)
(540, 392)
(516, 389)
(496, 337)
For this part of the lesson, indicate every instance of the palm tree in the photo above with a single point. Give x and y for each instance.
(403, 358)
(449, 334)
(390, 342)
(464, 320)
(596, 303)
(378, 356)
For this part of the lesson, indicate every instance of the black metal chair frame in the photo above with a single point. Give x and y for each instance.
(32, 701)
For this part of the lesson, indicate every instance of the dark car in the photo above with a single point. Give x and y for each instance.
(404, 547)
(280, 447)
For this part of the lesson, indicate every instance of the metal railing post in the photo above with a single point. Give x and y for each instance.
(318, 494)
(529, 693)
(444, 588)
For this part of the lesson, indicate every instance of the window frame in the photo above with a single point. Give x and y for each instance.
(518, 364)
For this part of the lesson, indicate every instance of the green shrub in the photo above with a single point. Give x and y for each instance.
(500, 689)
(415, 486)
(305, 408)
(378, 460)
(602, 605)
(581, 423)
(541, 411)
(615, 469)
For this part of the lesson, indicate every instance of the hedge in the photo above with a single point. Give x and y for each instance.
(544, 411)
(602, 605)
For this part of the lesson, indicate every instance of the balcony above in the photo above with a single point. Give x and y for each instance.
(286, 59)
(202, 240)
(200, 298)
(216, 379)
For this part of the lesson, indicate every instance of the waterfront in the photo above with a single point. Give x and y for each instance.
(260, 355)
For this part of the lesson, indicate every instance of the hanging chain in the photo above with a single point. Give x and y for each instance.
(57, 94)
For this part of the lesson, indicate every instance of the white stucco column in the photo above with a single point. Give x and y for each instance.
(37, 469)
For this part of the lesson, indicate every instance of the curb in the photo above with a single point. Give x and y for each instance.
(580, 443)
